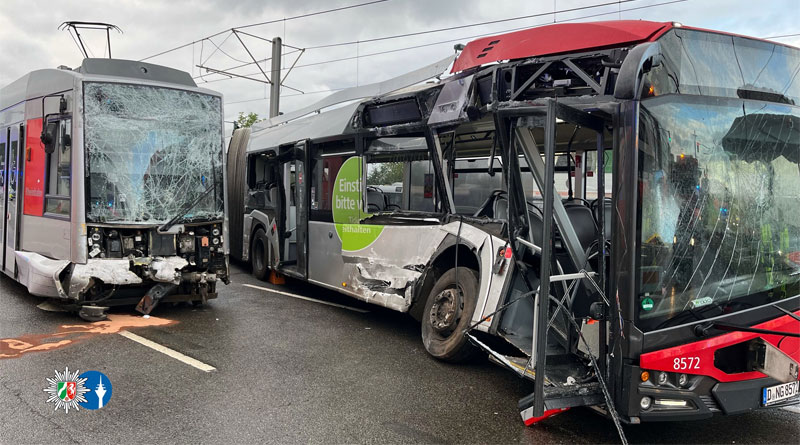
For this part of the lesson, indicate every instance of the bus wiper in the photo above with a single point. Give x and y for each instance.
(168, 225)
(702, 330)
(789, 313)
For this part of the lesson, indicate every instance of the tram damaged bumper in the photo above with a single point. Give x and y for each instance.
(133, 266)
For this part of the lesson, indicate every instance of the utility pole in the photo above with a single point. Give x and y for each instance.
(275, 87)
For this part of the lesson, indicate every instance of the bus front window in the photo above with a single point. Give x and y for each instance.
(720, 183)
(150, 152)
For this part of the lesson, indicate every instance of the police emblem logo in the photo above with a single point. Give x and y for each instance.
(66, 390)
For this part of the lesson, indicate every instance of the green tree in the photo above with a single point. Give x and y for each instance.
(247, 120)
(385, 174)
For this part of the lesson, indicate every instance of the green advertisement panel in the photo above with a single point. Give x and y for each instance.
(348, 207)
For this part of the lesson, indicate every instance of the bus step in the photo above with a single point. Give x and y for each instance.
(515, 364)
(558, 399)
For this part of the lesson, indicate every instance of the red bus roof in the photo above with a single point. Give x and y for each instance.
(558, 38)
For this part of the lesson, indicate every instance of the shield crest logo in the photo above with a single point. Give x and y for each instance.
(66, 390)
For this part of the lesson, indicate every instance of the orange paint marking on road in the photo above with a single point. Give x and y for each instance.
(73, 333)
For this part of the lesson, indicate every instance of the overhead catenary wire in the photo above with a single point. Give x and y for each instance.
(310, 14)
(405, 35)
(341, 59)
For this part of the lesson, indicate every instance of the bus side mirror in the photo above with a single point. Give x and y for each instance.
(49, 137)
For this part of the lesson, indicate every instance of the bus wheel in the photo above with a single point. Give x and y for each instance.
(447, 313)
(258, 254)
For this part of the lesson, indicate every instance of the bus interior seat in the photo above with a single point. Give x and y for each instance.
(500, 208)
(583, 221)
(488, 207)
(376, 202)
(581, 218)
(607, 209)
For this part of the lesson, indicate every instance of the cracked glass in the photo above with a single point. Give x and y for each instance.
(720, 185)
(719, 140)
(152, 153)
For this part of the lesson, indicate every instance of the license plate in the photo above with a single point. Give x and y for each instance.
(774, 394)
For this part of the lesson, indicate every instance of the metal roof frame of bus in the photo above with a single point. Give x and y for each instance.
(337, 121)
(365, 91)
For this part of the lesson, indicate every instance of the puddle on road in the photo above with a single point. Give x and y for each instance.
(73, 333)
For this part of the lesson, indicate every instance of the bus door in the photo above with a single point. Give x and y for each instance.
(294, 240)
(12, 174)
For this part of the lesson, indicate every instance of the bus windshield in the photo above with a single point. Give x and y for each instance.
(719, 140)
(720, 230)
(150, 152)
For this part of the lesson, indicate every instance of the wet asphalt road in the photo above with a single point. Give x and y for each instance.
(293, 371)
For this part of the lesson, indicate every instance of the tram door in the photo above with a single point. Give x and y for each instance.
(12, 185)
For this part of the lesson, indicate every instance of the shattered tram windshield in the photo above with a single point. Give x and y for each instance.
(150, 151)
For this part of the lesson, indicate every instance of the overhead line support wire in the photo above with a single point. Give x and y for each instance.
(469, 37)
(266, 23)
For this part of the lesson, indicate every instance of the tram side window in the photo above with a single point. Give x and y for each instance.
(59, 167)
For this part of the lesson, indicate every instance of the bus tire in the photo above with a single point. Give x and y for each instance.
(259, 254)
(447, 315)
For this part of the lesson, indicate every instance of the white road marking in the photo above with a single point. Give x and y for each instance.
(354, 309)
(793, 408)
(167, 351)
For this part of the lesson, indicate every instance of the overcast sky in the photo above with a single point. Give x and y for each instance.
(30, 40)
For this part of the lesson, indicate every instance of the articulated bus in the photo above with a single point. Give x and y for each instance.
(112, 186)
(607, 209)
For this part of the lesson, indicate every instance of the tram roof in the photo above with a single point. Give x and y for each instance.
(38, 83)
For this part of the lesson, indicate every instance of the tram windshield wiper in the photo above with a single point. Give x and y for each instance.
(168, 225)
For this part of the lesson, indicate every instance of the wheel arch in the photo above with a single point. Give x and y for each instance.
(259, 220)
(443, 259)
